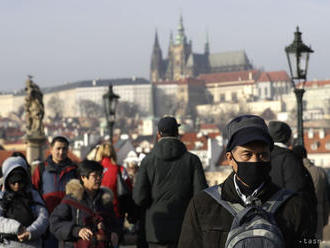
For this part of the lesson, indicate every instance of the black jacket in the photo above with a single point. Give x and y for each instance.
(167, 179)
(207, 223)
(289, 172)
(66, 220)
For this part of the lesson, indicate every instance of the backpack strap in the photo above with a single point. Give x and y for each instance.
(215, 193)
(41, 168)
(276, 200)
(78, 205)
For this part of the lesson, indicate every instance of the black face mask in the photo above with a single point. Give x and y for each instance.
(253, 173)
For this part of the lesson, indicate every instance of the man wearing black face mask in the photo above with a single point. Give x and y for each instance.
(207, 223)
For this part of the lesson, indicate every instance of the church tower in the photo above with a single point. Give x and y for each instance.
(156, 67)
(180, 52)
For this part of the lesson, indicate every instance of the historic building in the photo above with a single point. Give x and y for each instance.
(182, 62)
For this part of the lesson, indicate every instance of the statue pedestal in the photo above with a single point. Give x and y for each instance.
(35, 148)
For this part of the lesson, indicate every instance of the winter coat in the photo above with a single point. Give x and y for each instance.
(289, 172)
(51, 184)
(11, 226)
(207, 223)
(320, 181)
(168, 178)
(110, 180)
(66, 220)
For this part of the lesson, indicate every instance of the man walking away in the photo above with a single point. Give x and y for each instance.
(168, 178)
(287, 170)
(320, 181)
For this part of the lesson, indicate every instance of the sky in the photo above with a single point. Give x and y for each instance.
(61, 41)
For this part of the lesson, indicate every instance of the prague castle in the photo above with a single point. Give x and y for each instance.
(182, 62)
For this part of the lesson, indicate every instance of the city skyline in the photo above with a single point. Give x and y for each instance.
(67, 41)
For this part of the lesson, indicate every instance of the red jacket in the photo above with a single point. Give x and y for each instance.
(110, 180)
(51, 183)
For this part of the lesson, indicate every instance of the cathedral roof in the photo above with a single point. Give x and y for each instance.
(228, 59)
(196, 59)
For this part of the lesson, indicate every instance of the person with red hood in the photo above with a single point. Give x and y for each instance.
(106, 156)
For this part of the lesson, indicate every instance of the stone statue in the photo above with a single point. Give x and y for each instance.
(34, 109)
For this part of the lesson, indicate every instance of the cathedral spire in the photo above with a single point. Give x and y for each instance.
(156, 42)
(171, 38)
(180, 37)
(207, 45)
(156, 61)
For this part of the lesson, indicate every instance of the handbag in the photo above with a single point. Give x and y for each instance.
(122, 188)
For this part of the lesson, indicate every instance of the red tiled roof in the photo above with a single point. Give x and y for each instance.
(214, 135)
(190, 81)
(229, 76)
(317, 83)
(190, 139)
(320, 144)
(274, 76)
(208, 126)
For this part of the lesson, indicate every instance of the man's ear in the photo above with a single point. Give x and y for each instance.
(229, 156)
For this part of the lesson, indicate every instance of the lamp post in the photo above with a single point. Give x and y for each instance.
(110, 100)
(298, 55)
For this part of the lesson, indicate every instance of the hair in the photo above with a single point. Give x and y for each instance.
(174, 134)
(61, 139)
(105, 150)
(86, 167)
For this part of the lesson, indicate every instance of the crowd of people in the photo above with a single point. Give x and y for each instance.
(274, 197)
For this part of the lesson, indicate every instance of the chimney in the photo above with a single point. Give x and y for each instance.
(250, 75)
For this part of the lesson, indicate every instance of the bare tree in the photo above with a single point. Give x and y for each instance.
(268, 114)
(56, 105)
(127, 109)
(89, 108)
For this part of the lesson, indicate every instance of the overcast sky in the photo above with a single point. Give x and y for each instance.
(60, 41)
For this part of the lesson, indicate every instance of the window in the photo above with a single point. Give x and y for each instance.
(222, 97)
(327, 145)
(315, 145)
(234, 96)
(310, 133)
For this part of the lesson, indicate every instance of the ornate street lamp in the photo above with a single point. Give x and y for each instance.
(298, 57)
(110, 100)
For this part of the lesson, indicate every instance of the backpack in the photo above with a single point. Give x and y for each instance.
(253, 226)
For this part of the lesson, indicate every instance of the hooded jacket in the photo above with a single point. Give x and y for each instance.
(289, 172)
(11, 226)
(66, 220)
(207, 223)
(167, 179)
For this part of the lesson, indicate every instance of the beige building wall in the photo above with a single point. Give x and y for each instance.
(261, 106)
(231, 91)
(316, 97)
(68, 99)
(217, 108)
(10, 103)
(320, 159)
